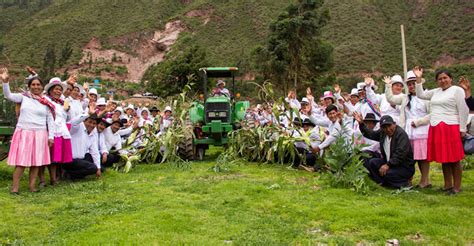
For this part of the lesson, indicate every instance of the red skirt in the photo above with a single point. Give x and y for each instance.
(444, 143)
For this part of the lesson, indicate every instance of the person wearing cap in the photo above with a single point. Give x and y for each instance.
(113, 142)
(61, 151)
(333, 125)
(303, 148)
(396, 167)
(448, 125)
(220, 90)
(34, 131)
(380, 99)
(100, 105)
(93, 95)
(414, 118)
(329, 98)
(167, 119)
(85, 146)
(154, 112)
(145, 118)
(373, 148)
(292, 100)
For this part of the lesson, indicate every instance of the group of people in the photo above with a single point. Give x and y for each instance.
(71, 129)
(405, 125)
(74, 132)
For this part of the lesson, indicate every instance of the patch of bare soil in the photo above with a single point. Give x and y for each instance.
(135, 51)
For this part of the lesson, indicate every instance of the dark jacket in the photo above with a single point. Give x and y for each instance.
(401, 153)
(470, 103)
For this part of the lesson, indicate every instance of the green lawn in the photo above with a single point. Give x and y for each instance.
(251, 204)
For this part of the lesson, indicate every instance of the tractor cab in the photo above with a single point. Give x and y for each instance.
(217, 115)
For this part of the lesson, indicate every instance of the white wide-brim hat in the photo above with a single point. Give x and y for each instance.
(53, 82)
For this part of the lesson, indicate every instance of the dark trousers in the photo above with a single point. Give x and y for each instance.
(80, 168)
(111, 159)
(310, 158)
(395, 177)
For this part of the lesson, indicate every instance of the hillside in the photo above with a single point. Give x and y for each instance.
(365, 34)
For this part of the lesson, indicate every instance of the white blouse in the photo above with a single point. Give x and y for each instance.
(417, 110)
(60, 128)
(33, 114)
(447, 106)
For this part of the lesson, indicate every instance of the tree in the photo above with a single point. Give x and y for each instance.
(49, 62)
(294, 51)
(169, 77)
(66, 53)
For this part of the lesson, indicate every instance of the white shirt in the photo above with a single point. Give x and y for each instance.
(60, 128)
(83, 142)
(416, 111)
(101, 141)
(112, 139)
(448, 106)
(386, 147)
(33, 114)
(334, 128)
(75, 108)
(294, 103)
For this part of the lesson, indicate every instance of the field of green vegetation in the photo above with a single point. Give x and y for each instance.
(365, 34)
(250, 204)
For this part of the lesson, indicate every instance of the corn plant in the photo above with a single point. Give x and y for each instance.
(344, 163)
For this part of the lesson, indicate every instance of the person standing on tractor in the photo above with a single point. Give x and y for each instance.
(220, 90)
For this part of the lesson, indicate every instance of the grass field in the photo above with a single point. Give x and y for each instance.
(250, 204)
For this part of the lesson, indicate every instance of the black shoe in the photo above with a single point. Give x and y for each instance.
(15, 193)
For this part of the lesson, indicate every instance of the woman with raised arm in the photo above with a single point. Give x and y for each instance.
(448, 121)
(414, 118)
(31, 140)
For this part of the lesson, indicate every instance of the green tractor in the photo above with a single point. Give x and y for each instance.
(215, 118)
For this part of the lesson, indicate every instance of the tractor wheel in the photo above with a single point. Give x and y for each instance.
(186, 148)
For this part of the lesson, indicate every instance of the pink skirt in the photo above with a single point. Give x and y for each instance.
(29, 148)
(420, 149)
(61, 152)
(444, 143)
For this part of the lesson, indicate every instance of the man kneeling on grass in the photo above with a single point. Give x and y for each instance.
(396, 167)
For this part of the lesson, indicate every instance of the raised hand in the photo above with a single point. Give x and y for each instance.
(357, 117)
(418, 71)
(337, 88)
(387, 80)
(4, 76)
(30, 70)
(369, 81)
(464, 83)
(91, 107)
(308, 92)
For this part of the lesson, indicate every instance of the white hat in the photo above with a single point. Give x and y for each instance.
(168, 108)
(397, 79)
(360, 86)
(145, 109)
(305, 100)
(411, 76)
(93, 91)
(354, 92)
(101, 102)
(130, 106)
(53, 82)
(120, 109)
(81, 89)
(259, 106)
(220, 82)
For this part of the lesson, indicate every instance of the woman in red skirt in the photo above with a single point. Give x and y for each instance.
(448, 121)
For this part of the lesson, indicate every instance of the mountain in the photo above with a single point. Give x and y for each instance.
(364, 33)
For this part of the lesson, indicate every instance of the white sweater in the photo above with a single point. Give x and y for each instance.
(447, 106)
(33, 114)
